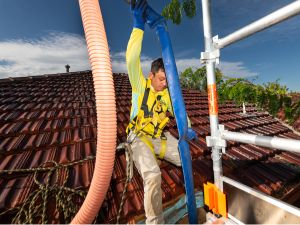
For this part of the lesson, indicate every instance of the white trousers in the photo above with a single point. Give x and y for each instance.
(146, 164)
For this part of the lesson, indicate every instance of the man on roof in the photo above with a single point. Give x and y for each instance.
(148, 118)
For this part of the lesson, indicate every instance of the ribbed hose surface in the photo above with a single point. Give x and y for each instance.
(105, 107)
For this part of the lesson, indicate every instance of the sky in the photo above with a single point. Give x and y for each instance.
(41, 37)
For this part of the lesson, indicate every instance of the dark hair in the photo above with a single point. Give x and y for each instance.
(157, 65)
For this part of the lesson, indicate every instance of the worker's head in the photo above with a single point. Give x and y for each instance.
(158, 75)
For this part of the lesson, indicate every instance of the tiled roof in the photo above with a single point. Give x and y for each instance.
(51, 119)
(295, 97)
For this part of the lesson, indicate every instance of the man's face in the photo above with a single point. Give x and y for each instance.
(158, 81)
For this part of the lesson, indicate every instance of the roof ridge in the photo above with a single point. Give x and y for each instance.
(34, 77)
(31, 77)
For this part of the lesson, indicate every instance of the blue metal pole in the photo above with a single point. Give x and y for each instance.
(181, 119)
(155, 20)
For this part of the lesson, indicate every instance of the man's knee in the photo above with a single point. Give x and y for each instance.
(153, 183)
(152, 176)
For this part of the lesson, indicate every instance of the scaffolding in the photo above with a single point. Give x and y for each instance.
(240, 196)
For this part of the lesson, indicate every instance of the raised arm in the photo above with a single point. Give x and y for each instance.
(136, 77)
(134, 47)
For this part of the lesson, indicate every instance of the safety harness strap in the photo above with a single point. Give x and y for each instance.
(163, 149)
(144, 106)
(148, 143)
(163, 146)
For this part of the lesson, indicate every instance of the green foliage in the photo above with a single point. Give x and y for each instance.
(271, 96)
(261, 99)
(288, 112)
(276, 96)
(276, 88)
(292, 112)
(197, 79)
(189, 7)
(193, 80)
(237, 89)
(173, 11)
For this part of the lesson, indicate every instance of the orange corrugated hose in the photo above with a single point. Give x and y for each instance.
(106, 110)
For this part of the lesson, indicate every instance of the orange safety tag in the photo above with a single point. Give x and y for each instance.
(212, 99)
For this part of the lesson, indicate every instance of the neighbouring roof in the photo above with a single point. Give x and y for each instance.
(295, 97)
(50, 121)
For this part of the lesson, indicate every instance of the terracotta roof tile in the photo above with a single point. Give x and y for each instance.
(52, 118)
(15, 191)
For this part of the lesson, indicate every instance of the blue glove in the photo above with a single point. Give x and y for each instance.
(138, 12)
(154, 18)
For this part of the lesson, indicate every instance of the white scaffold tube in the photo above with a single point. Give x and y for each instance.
(261, 24)
(264, 141)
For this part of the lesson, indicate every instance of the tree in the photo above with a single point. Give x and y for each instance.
(271, 96)
(276, 96)
(173, 10)
(194, 80)
(239, 90)
(197, 80)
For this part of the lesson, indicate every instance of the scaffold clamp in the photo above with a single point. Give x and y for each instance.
(217, 141)
(213, 55)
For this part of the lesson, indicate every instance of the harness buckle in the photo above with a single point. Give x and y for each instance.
(163, 136)
(131, 137)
